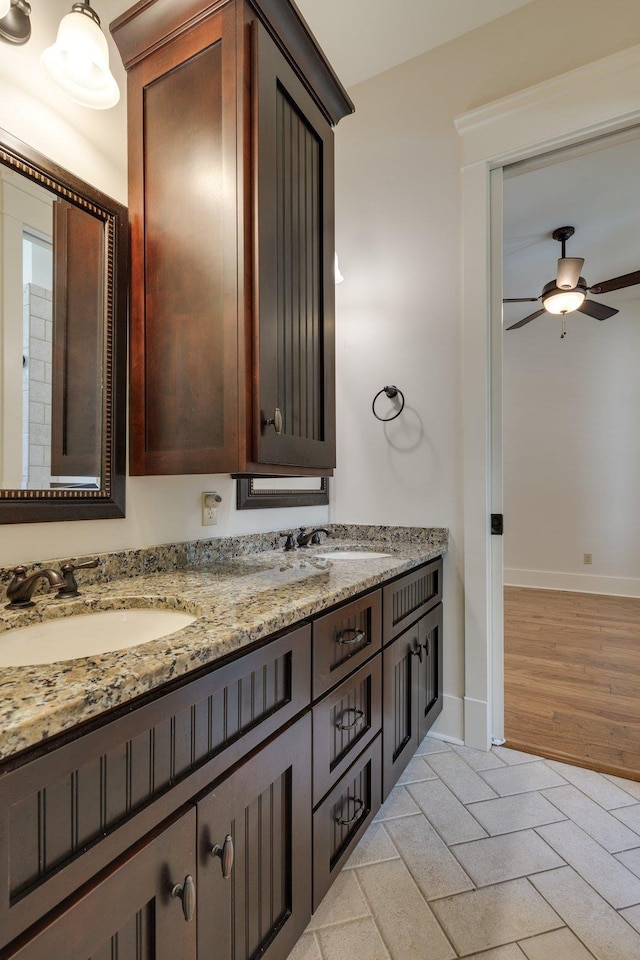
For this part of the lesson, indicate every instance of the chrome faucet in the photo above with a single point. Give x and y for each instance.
(304, 538)
(20, 590)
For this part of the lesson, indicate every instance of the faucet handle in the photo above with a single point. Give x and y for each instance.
(70, 586)
(290, 543)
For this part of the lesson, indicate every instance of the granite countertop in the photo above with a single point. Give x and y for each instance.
(239, 589)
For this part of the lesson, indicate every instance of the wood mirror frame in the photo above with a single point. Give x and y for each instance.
(26, 506)
(278, 495)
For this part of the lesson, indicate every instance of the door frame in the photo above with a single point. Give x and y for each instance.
(591, 101)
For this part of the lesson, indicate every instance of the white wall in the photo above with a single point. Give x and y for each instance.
(398, 213)
(93, 145)
(572, 454)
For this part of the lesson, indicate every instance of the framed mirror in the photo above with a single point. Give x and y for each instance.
(257, 493)
(63, 302)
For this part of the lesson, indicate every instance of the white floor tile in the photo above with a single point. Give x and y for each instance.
(514, 756)
(460, 778)
(357, 940)
(518, 812)
(598, 823)
(399, 803)
(306, 948)
(522, 778)
(507, 857)
(402, 915)
(557, 945)
(604, 932)
(511, 952)
(631, 860)
(433, 867)
(595, 785)
(479, 759)
(445, 812)
(417, 769)
(632, 787)
(432, 745)
(494, 916)
(629, 816)
(632, 916)
(607, 876)
(344, 901)
(374, 847)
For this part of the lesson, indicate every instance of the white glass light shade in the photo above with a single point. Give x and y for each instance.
(5, 6)
(564, 301)
(78, 63)
(336, 270)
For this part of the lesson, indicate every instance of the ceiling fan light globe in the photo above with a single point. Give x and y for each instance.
(563, 301)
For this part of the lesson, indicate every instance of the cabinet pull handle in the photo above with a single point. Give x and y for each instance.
(357, 811)
(358, 717)
(425, 647)
(275, 421)
(226, 853)
(417, 653)
(187, 893)
(346, 640)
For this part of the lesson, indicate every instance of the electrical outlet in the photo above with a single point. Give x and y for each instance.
(210, 503)
(588, 558)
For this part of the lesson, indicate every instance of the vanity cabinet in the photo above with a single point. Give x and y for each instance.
(249, 783)
(231, 106)
(412, 666)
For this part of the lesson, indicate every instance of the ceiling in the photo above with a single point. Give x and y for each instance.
(362, 38)
(596, 192)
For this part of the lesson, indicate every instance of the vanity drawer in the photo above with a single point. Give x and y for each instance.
(67, 814)
(343, 816)
(408, 598)
(344, 723)
(344, 639)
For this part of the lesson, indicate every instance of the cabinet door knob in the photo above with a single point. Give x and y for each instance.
(358, 718)
(358, 804)
(347, 637)
(226, 853)
(187, 893)
(275, 421)
(417, 653)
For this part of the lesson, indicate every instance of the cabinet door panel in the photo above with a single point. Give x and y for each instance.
(294, 256)
(184, 360)
(430, 669)
(408, 598)
(128, 913)
(400, 705)
(263, 905)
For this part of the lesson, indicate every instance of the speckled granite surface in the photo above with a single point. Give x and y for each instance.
(240, 589)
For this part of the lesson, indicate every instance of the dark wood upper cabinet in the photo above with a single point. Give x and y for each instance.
(231, 107)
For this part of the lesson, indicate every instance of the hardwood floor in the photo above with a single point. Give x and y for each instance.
(572, 677)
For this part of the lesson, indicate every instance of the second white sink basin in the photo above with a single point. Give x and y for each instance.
(352, 555)
(87, 635)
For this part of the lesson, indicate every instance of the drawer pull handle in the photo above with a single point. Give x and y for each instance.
(358, 718)
(226, 853)
(425, 647)
(417, 653)
(358, 805)
(187, 893)
(275, 421)
(346, 640)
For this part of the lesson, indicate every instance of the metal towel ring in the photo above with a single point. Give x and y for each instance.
(391, 392)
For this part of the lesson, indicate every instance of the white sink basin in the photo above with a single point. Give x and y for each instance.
(86, 635)
(353, 555)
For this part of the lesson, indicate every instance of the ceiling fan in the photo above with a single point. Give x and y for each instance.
(568, 292)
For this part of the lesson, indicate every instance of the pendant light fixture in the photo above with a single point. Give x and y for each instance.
(15, 25)
(78, 62)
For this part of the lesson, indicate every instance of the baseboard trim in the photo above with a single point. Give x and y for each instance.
(477, 727)
(572, 582)
(450, 724)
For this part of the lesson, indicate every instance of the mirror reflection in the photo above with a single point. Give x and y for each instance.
(52, 309)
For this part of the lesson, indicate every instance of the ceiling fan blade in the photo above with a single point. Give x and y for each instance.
(569, 272)
(521, 323)
(520, 299)
(617, 283)
(598, 310)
